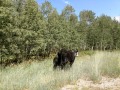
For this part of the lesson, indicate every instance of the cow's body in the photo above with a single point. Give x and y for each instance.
(63, 57)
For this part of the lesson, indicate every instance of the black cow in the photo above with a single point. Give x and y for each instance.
(63, 57)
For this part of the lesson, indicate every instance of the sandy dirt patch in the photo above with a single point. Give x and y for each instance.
(104, 84)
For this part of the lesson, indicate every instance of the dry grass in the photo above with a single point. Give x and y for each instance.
(40, 75)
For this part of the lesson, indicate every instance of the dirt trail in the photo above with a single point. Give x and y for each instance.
(105, 84)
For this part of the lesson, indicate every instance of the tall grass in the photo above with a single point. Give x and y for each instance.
(102, 64)
(41, 76)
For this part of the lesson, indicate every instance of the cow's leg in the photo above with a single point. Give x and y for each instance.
(55, 62)
(55, 66)
(62, 66)
(71, 63)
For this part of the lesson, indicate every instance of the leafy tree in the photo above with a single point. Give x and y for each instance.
(46, 9)
(7, 18)
(67, 12)
(86, 19)
(115, 32)
(104, 25)
(87, 15)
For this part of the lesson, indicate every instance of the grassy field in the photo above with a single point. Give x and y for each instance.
(41, 76)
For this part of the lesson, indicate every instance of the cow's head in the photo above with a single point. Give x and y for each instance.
(75, 52)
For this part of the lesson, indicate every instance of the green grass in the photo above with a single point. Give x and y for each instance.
(41, 76)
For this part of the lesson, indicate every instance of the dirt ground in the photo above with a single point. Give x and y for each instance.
(105, 83)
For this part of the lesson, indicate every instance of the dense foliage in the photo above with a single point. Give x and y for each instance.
(31, 30)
